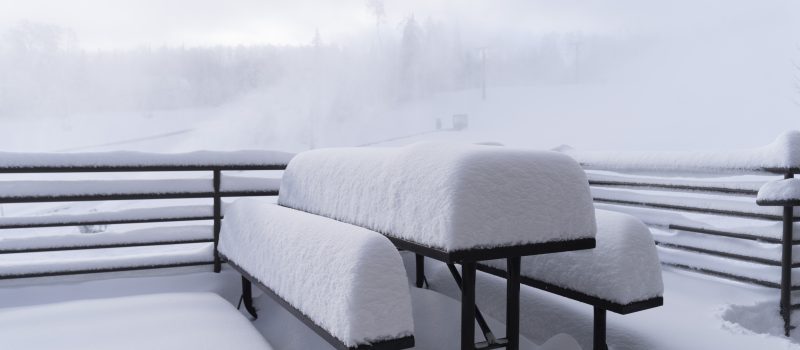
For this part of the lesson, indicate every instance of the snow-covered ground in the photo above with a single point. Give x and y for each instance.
(699, 312)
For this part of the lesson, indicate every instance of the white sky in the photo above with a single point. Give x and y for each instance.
(130, 23)
(109, 24)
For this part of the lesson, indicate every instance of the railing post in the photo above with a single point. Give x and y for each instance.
(217, 218)
(513, 265)
(786, 265)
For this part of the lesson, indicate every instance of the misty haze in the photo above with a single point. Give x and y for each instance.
(573, 174)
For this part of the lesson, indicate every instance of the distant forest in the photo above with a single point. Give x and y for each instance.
(45, 71)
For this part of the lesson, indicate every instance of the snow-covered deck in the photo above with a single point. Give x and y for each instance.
(698, 313)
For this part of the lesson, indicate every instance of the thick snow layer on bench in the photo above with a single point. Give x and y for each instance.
(347, 279)
(134, 159)
(780, 191)
(177, 321)
(782, 153)
(447, 196)
(623, 268)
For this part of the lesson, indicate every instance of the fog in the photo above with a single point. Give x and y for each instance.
(184, 75)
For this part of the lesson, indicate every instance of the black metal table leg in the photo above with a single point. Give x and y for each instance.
(600, 329)
(512, 302)
(468, 269)
(247, 297)
(420, 261)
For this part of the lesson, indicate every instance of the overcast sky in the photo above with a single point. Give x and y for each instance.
(108, 24)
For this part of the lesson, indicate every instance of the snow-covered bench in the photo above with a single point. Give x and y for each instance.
(345, 282)
(622, 274)
(454, 203)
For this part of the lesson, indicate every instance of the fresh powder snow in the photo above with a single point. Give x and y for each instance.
(623, 268)
(783, 153)
(179, 321)
(56, 188)
(446, 195)
(11, 160)
(786, 190)
(350, 281)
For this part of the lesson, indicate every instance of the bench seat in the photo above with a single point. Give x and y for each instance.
(622, 270)
(345, 282)
(175, 321)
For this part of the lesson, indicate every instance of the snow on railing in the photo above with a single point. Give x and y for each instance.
(138, 161)
(702, 208)
(779, 157)
(150, 245)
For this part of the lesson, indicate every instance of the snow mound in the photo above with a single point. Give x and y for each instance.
(783, 153)
(779, 191)
(760, 318)
(347, 279)
(447, 196)
(623, 268)
(191, 321)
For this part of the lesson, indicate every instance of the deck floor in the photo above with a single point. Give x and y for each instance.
(699, 312)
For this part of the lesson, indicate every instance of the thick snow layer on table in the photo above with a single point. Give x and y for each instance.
(782, 153)
(39, 188)
(447, 196)
(179, 321)
(780, 190)
(133, 159)
(623, 268)
(155, 213)
(34, 263)
(146, 235)
(347, 279)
